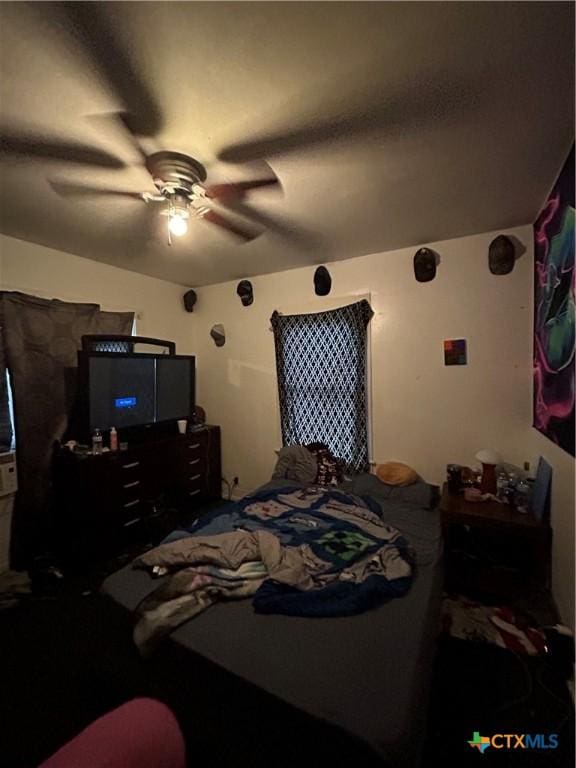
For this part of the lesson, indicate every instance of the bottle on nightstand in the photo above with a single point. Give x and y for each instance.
(522, 496)
(501, 486)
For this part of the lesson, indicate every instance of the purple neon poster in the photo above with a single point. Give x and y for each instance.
(554, 319)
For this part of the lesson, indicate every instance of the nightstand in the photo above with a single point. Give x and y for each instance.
(494, 541)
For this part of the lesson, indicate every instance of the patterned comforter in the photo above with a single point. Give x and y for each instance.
(312, 551)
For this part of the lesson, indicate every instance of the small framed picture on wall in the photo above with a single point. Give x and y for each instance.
(455, 352)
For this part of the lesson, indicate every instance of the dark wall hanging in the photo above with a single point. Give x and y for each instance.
(322, 282)
(190, 299)
(554, 305)
(246, 292)
(218, 335)
(425, 265)
(501, 255)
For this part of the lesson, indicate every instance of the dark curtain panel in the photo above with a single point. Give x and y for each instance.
(321, 366)
(40, 340)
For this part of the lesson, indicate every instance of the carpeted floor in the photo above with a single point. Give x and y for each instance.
(66, 657)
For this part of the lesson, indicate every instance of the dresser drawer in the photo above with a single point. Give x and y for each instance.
(193, 465)
(132, 487)
(126, 468)
(193, 483)
(190, 494)
(195, 448)
(195, 480)
(130, 512)
(127, 479)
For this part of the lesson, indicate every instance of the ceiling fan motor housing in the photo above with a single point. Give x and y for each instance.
(173, 172)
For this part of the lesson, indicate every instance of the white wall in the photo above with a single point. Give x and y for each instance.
(423, 413)
(48, 273)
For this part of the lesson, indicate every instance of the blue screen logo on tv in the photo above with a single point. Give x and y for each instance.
(125, 402)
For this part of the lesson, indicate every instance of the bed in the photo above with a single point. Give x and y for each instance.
(349, 688)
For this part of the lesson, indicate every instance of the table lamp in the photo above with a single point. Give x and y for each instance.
(489, 459)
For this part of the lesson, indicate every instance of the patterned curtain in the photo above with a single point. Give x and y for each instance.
(40, 339)
(321, 366)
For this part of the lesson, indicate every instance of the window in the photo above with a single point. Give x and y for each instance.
(321, 366)
(7, 435)
(112, 346)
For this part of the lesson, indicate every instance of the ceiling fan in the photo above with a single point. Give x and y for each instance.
(181, 194)
(180, 185)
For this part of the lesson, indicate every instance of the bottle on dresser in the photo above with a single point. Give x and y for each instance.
(97, 442)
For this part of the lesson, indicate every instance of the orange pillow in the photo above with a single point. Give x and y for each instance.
(395, 473)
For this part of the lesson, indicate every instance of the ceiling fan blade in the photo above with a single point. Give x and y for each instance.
(278, 144)
(35, 147)
(68, 189)
(238, 190)
(429, 100)
(221, 221)
(278, 226)
(119, 121)
(91, 25)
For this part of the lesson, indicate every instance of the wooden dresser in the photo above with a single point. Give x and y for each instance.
(98, 499)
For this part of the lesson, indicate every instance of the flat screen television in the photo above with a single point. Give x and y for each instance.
(128, 391)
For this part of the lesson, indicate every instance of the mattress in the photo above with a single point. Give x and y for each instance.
(366, 675)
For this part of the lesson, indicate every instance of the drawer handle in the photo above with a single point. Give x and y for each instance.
(132, 485)
(194, 445)
(195, 461)
(131, 503)
(193, 493)
(195, 477)
(131, 522)
(131, 466)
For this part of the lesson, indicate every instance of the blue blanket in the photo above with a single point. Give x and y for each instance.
(361, 561)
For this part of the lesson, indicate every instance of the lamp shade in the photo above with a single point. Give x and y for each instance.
(488, 456)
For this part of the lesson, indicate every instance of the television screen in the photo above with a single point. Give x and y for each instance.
(135, 390)
(173, 394)
(121, 391)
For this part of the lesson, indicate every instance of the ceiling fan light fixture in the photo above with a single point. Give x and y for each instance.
(178, 215)
(178, 224)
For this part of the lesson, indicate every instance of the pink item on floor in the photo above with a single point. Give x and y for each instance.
(140, 734)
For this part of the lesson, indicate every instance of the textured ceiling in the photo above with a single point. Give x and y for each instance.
(388, 124)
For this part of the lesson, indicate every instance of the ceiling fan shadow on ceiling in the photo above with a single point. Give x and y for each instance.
(27, 146)
(182, 195)
(180, 191)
